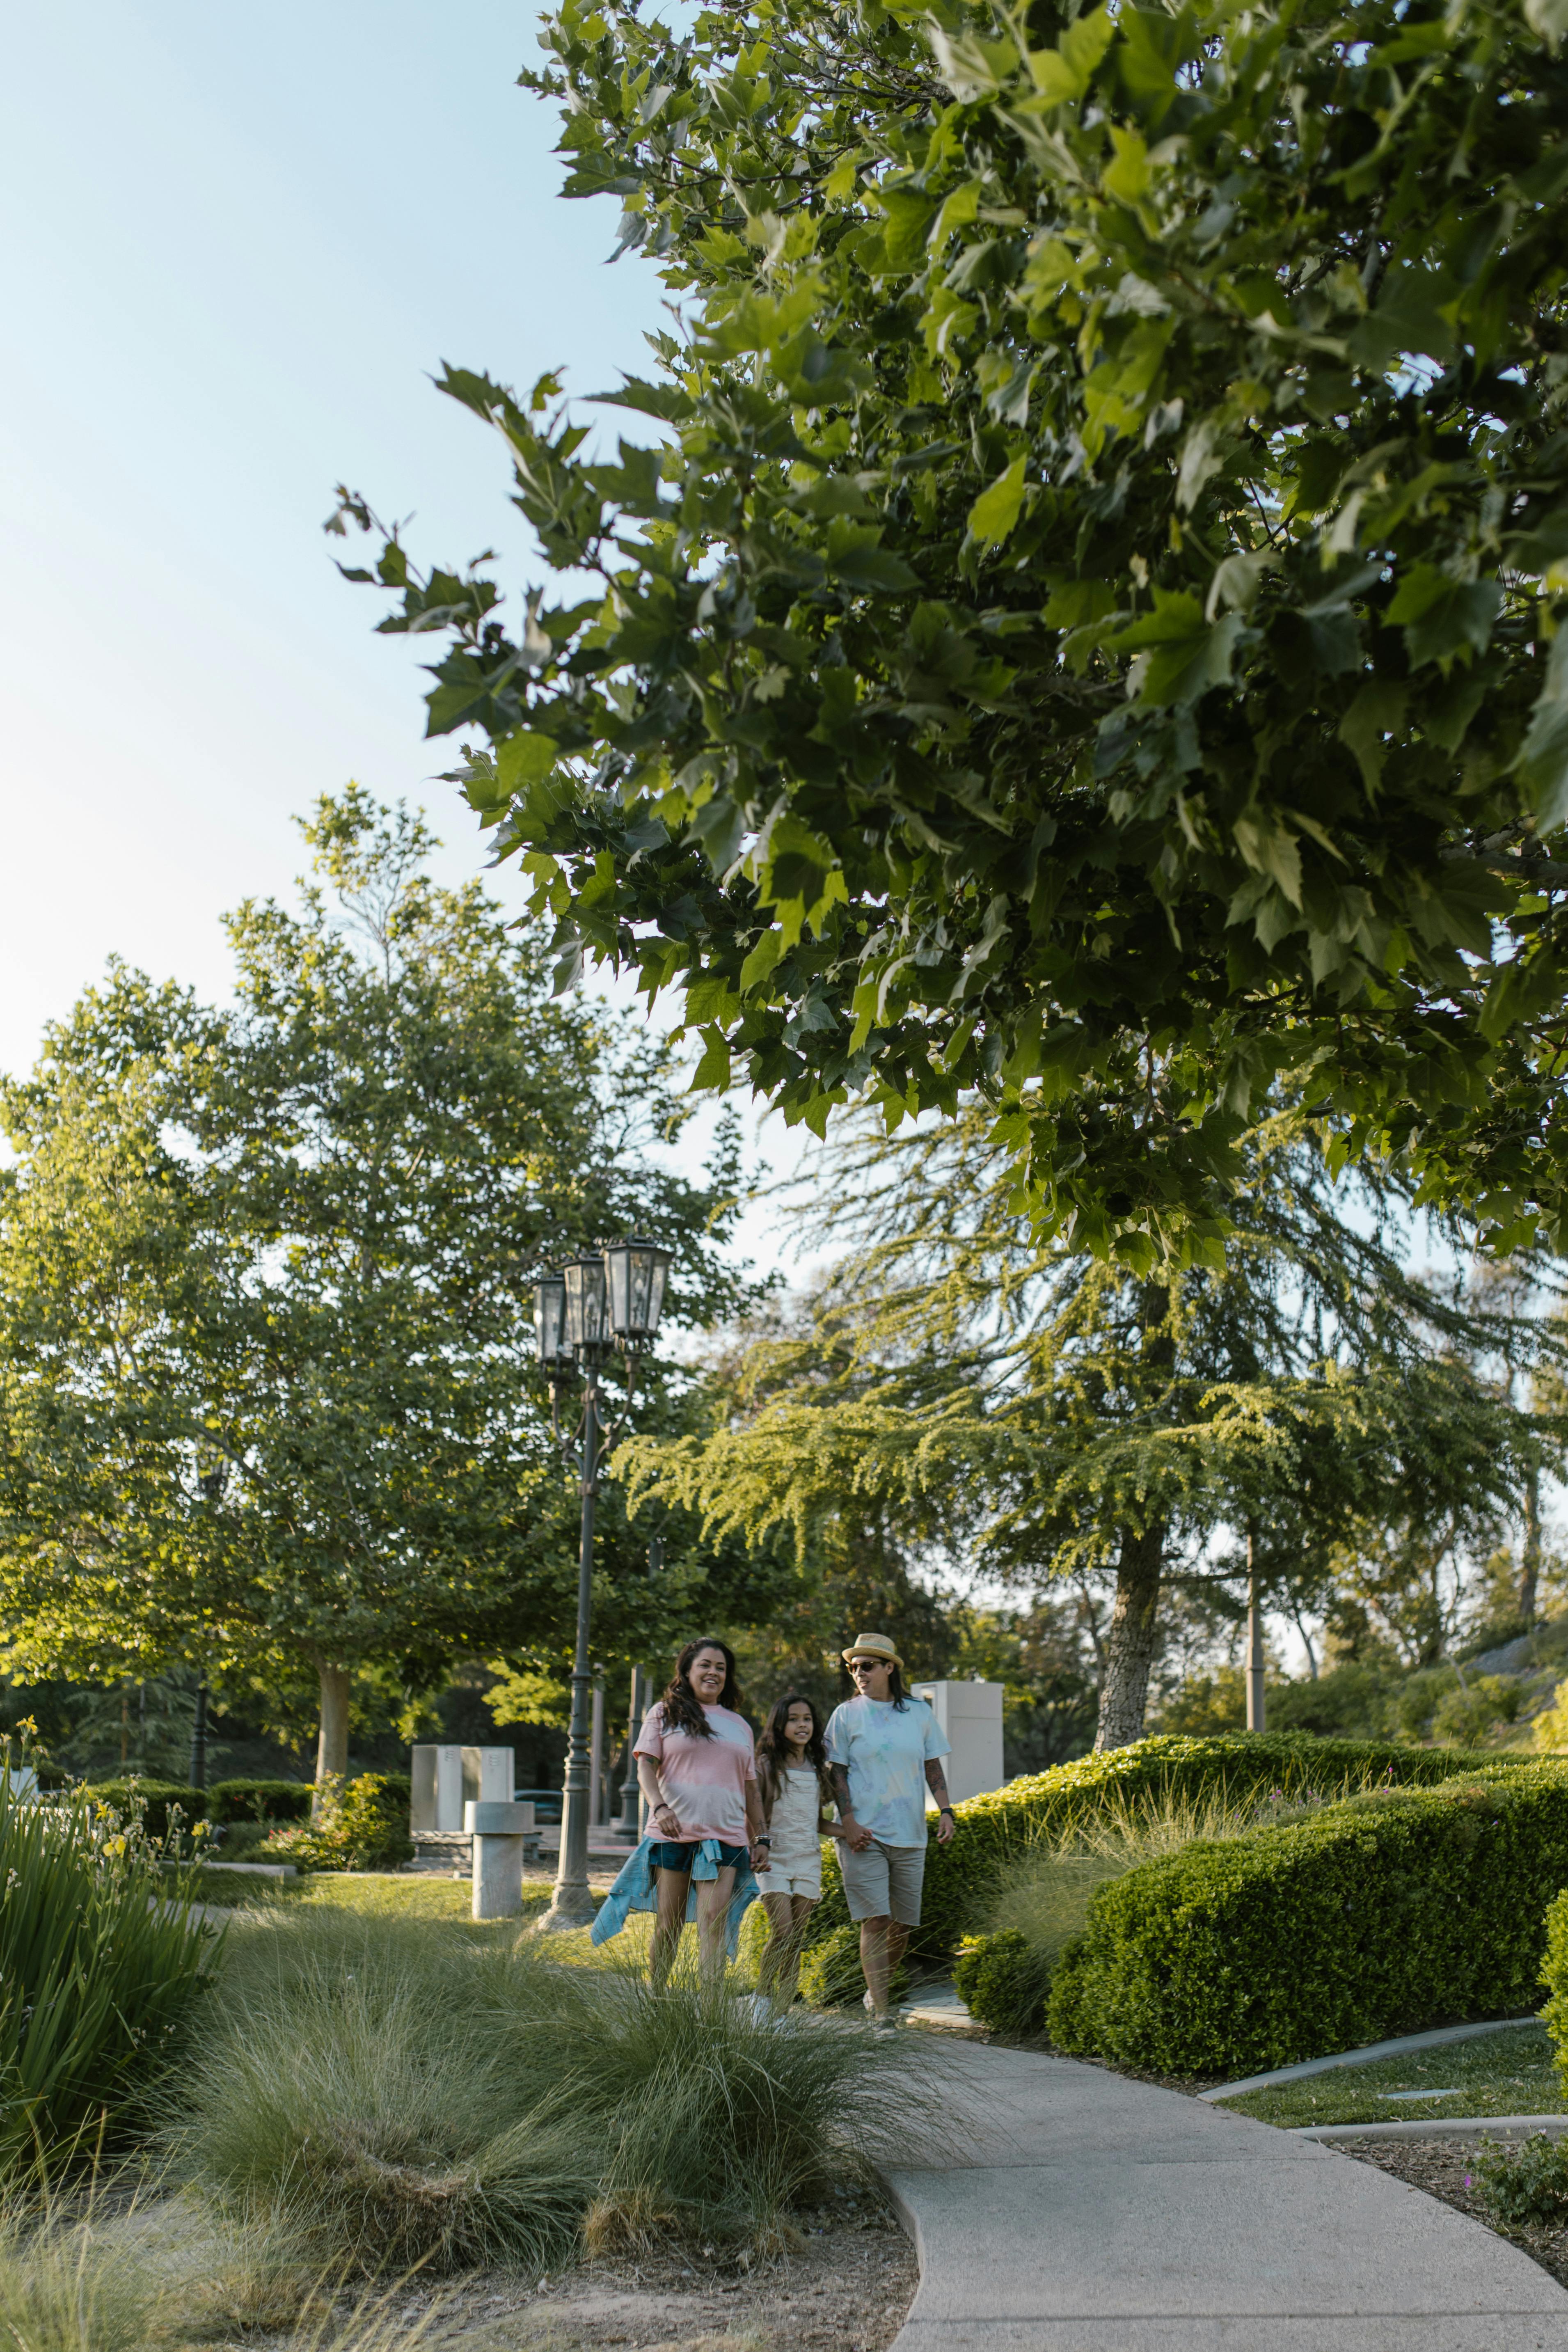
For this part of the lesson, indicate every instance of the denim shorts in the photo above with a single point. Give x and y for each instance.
(676, 1853)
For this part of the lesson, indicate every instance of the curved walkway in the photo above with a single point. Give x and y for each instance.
(1077, 2211)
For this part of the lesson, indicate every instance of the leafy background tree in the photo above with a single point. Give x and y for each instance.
(265, 1291)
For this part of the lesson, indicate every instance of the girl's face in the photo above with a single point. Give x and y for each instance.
(706, 1675)
(799, 1724)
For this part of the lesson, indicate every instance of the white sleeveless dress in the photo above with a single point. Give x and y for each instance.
(796, 1852)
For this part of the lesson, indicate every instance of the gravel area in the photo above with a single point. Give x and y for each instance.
(1440, 2168)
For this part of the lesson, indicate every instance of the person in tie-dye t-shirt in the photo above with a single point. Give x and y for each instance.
(884, 1751)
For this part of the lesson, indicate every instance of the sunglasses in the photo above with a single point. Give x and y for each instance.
(864, 1666)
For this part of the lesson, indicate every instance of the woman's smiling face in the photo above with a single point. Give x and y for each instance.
(706, 1675)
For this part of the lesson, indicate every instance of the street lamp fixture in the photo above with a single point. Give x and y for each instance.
(603, 1300)
(636, 1271)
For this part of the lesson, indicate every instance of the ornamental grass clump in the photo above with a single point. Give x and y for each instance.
(102, 1959)
(1041, 1903)
(426, 2092)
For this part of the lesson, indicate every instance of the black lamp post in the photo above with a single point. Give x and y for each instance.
(611, 1299)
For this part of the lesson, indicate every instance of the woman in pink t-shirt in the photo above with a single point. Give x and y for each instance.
(697, 1766)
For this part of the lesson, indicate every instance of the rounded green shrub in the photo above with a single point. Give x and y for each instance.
(1002, 1982)
(1385, 1914)
(149, 1801)
(258, 1801)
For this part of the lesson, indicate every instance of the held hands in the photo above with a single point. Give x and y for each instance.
(761, 1856)
(856, 1838)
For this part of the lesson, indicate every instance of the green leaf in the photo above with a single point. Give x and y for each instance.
(1543, 760)
(1178, 654)
(994, 514)
(1378, 710)
(909, 216)
(1443, 616)
(525, 759)
(712, 1075)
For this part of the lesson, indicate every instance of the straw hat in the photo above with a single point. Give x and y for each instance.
(874, 1646)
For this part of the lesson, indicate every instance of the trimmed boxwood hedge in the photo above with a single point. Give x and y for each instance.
(1389, 1913)
(1554, 1977)
(1241, 1767)
(156, 1796)
(259, 1801)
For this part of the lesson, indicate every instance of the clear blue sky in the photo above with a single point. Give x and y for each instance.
(237, 243)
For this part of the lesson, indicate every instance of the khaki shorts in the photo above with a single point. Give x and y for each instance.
(884, 1883)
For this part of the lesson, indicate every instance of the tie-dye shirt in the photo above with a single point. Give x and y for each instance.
(887, 1749)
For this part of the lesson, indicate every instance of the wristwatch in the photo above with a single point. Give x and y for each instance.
(762, 1841)
(943, 1809)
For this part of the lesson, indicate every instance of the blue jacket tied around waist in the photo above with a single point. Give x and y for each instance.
(636, 1890)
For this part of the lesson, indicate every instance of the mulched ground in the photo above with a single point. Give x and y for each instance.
(1440, 2167)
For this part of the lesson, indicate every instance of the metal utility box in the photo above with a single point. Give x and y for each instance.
(970, 1715)
(445, 1779)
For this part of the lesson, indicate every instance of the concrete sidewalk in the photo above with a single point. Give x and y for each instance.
(1088, 2213)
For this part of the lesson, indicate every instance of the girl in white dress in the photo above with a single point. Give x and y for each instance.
(792, 1780)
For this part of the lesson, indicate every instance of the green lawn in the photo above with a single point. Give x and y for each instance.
(422, 1897)
(1506, 2073)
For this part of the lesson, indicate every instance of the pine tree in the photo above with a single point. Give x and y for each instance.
(1045, 1415)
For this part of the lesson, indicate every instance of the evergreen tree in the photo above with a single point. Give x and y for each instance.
(1045, 1414)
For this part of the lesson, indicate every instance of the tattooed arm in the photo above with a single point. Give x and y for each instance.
(936, 1782)
(856, 1838)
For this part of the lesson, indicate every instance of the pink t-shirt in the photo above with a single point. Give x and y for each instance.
(704, 1779)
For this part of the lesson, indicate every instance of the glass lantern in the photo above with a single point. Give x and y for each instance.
(587, 1317)
(550, 1319)
(636, 1271)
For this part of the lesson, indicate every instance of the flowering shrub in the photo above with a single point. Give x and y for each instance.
(362, 1825)
(101, 1959)
(1522, 2186)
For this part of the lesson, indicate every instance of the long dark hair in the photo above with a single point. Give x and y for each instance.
(775, 1756)
(896, 1690)
(682, 1707)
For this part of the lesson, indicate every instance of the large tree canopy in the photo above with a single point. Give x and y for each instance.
(267, 1399)
(1090, 635)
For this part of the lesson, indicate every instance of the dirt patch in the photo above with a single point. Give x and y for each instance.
(1442, 2168)
(845, 2288)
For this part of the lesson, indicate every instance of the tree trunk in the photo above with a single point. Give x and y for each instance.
(1130, 1650)
(332, 1746)
(1529, 1564)
(1256, 1704)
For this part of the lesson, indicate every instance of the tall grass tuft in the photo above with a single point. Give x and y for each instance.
(101, 1959)
(1041, 1903)
(416, 2092)
(143, 2278)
